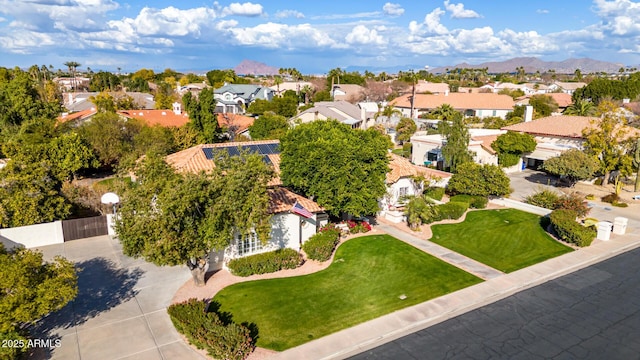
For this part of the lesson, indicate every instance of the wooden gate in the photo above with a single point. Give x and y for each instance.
(84, 228)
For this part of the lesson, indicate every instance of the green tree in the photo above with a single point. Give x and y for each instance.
(202, 116)
(104, 102)
(72, 66)
(456, 148)
(445, 112)
(169, 218)
(636, 163)
(405, 129)
(543, 105)
(30, 194)
(343, 169)
(386, 114)
(482, 180)
(580, 107)
(573, 164)
(104, 81)
(30, 289)
(605, 138)
(110, 137)
(514, 93)
(511, 146)
(68, 154)
(269, 126)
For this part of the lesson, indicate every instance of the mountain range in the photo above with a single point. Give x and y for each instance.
(532, 64)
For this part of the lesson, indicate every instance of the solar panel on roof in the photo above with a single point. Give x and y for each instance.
(264, 149)
(232, 150)
(266, 159)
(208, 153)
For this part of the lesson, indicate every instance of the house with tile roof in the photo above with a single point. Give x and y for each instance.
(480, 105)
(556, 134)
(287, 229)
(343, 111)
(426, 150)
(400, 183)
(235, 98)
(566, 87)
(348, 92)
(80, 101)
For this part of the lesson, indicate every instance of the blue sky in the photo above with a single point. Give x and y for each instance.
(313, 36)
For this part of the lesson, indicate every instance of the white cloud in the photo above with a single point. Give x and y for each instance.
(620, 17)
(347, 16)
(289, 14)
(393, 9)
(26, 42)
(430, 25)
(272, 35)
(244, 9)
(542, 11)
(459, 12)
(360, 34)
(168, 21)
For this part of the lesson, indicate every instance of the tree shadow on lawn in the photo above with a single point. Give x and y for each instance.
(102, 285)
(227, 318)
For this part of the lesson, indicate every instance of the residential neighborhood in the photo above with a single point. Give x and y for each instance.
(314, 204)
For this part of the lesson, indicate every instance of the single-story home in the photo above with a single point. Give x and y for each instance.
(400, 182)
(343, 111)
(427, 149)
(566, 87)
(470, 104)
(288, 228)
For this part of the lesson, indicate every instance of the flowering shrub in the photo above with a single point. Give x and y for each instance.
(328, 227)
(358, 227)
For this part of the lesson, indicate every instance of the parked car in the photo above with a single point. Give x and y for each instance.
(636, 197)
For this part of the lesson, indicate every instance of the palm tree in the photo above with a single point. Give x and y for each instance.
(581, 107)
(445, 112)
(387, 113)
(72, 65)
(277, 80)
(306, 90)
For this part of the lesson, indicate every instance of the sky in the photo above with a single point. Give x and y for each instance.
(313, 36)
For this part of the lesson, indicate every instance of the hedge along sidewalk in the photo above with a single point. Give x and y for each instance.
(223, 278)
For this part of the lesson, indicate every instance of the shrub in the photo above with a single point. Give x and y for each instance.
(358, 227)
(207, 329)
(565, 225)
(590, 197)
(619, 204)
(267, 262)
(543, 198)
(321, 245)
(474, 201)
(572, 202)
(452, 210)
(436, 193)
(611, 198)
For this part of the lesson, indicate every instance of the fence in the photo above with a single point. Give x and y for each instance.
(521, 206)
(55, 232)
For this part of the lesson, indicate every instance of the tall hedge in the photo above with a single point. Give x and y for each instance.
(474, 201)
(267, 262)
(565, 225)
(205, 329)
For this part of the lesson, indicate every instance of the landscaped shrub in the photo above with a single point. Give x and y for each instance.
(436, 193)
(565, 225)
(358, 226)
(267, 262)
(451, 210)
(206, 329)
(321, 245)
(572, 202)
(543, 198)
(474, 201)
(611, 198)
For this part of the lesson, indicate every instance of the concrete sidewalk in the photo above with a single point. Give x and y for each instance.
(384, 329)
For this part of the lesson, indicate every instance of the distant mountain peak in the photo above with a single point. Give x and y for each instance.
(251, 67)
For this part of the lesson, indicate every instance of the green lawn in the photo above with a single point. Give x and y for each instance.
(364, 281)
(506, 240)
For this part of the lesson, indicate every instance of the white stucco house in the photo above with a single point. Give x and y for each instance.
(427, 149)
(288, 229)
(481, 105)
(400, 182)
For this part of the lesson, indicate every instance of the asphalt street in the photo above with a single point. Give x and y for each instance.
(593, 313)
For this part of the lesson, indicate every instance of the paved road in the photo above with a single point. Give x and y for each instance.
(593, 313)
(120, 311)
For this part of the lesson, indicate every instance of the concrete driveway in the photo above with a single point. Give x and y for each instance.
(120, 311)
(529, 181)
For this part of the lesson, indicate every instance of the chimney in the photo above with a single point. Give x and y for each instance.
(446, 93)
(528, 113)
(177, 108)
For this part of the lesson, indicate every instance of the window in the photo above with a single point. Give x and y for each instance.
(432, 156)
(227, 97)
(248, 244)
(403, 191)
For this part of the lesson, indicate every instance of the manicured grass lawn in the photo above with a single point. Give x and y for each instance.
(506, 240)
(364, 281)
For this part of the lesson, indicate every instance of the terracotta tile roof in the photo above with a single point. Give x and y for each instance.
(563, 99)
(78, 115)
(486, 141)
(166, 118)
(194, 159)
(229, 119)
(400, 167)
(282, 200)
(459, 101)
(562, 126)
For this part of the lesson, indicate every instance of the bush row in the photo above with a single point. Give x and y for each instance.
(451, 210)
(211, 331)
(565, 225)
(358, 226)
(474, 201)
(550, 200)
(321, 245)
(267, 262)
